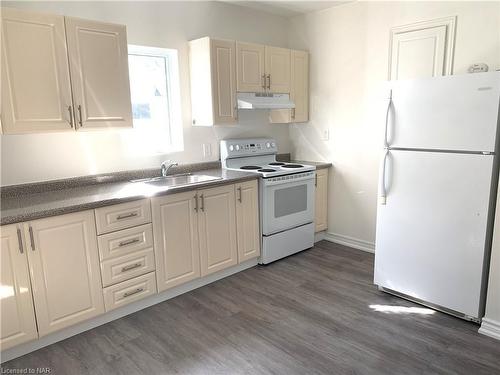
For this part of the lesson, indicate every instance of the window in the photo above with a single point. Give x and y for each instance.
(154, 90)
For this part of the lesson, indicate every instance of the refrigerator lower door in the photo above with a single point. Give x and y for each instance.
(458, 112)
(431, 232)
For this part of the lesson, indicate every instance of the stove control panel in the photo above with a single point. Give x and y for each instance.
(233, 148)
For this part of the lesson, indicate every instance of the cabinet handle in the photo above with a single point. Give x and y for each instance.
(70, 110)
(316, 179)
(128, 242)
(80, 121)
(196, 202)
(240, 199)
(202, 203)
(293, 113)
(264, 81)
(131, 267)
(128, 294)
(269, 81)
(20, 240)
(32, 239)
(126, 216)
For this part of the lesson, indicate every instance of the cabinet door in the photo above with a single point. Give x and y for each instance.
(224, 81)
(36, 91)
(278, 68)
(64, 267)
(321, 204)
(299, 91)
(99, 73)
(175, 232)
(247, 220)
(250, 67)
(16, 307)
(217, 229)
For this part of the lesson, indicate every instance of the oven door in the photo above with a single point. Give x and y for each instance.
(287, 202)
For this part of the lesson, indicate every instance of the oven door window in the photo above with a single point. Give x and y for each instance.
(290, 200)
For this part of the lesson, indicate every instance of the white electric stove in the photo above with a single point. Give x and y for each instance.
(286, 195)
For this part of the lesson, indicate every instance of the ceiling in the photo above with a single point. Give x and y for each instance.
(288, 8)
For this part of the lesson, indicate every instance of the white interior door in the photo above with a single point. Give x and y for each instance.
(36, 91)
(457, 112)
(431, 233)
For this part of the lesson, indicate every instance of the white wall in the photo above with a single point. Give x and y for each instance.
(27, 158)
(349, 61)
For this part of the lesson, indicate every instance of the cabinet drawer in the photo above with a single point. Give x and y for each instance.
(125, 241)
(129, 291)
(126, 267)
(121, 216)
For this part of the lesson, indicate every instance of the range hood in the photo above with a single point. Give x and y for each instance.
(247, 100)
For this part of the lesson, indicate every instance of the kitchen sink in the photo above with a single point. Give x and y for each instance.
(178, 180)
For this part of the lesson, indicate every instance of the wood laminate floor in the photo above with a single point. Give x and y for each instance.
(316, 312)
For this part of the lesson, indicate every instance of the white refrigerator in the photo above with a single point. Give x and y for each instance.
(436, 191)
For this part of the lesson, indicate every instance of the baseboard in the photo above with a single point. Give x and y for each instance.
(63, 334)
(490, 328)
(320, 236)
(350, 241)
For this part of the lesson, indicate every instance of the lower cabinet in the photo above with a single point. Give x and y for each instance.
(247, 220)
(321, 201)
(129, 291)
(64, 267)
(16, 308)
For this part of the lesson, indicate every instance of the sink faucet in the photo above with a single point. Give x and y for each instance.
(165, 166)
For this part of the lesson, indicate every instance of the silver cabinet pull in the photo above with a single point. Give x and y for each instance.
(196, 202)
(126, 216)
(240, 198)
(316, 179)
(202, 203)
(20, 240)
(128, 242)
(32, 238)
(293, 113)
(80, 121)
(128, 294)
(264, 81)
(269, 81)
(131, 267)
(70, 110)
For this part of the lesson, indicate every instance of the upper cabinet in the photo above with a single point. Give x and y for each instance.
(278, 69)
(251, 67)
(99, 73)
(40, 52)
(212, 65)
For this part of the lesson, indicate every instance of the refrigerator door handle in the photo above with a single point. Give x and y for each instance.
(382, 190)
(389, 104)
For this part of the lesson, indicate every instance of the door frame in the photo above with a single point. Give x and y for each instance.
(450, 24)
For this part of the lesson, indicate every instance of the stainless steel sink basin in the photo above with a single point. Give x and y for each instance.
(178, 180)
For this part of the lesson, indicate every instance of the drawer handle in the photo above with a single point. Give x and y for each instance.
(126, 216)
(20, 240)
(128, 242)
(131, 267)
(128, 294)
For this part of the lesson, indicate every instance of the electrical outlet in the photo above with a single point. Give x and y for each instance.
(207, 150)
(326, 134)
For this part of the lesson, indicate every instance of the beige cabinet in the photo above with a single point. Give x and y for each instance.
(251, 67)
(321, 200)
(16, 308)
(247, 220)
(212, 65)
(299, 91)
(64, 267)
(217, 229)
(99, 73)
(36, 90)
(175, 231)
(40, 52)
(278, 69)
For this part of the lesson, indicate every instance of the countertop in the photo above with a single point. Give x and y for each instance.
(37, 205)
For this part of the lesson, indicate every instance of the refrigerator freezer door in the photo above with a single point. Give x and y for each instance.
(431, 232)
(445, 113)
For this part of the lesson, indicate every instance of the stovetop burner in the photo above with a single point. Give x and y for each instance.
(250, 167)
(277, 163)
(266, 170)
(292, 166)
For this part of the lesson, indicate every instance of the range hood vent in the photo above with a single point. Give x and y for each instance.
(247, 100)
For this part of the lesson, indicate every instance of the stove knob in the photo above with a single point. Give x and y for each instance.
(231, 148)
(268, 145)
(273, 145)
(237, 147)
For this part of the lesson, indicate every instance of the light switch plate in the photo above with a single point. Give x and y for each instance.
(326, 135)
